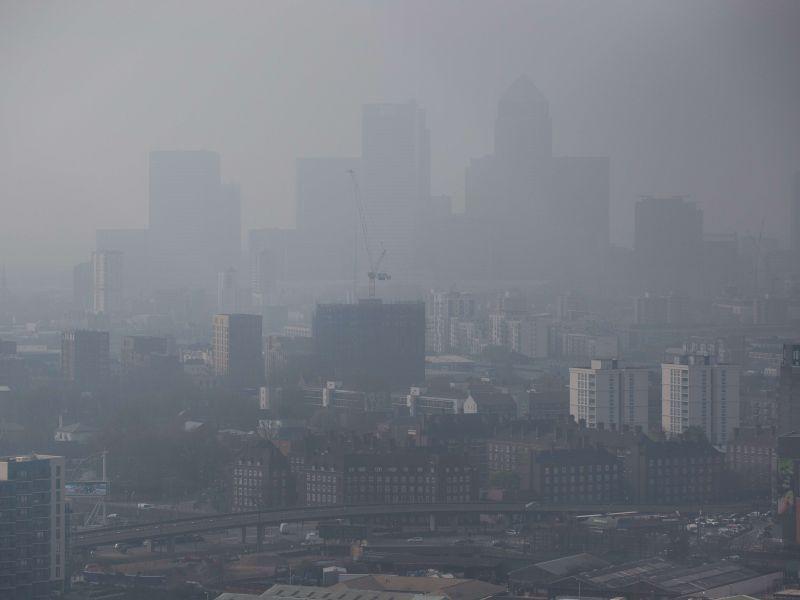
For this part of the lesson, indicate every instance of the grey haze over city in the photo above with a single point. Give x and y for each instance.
(399, 300)
(696, 98)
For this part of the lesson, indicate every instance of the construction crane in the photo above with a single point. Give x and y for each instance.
(374, 274)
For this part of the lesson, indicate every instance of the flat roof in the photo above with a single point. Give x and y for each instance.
(308, 592)
(449, 358)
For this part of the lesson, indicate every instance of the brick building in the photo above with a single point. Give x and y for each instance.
(261, 478)
(674, 471)
(576, 476)
(409, 476)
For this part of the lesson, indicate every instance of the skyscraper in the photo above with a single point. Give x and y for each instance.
(326, 218)
(396, 180)
(238, 355)
(33, 531)
(269, 255)
(82, 296)
(227, 291)
(195, 219)
(85, 356)
(523, 129)
(107, 277)
(695, 392)
(541, 215)
(371, 345)
(668, 245)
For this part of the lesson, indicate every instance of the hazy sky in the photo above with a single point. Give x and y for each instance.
(685, 97)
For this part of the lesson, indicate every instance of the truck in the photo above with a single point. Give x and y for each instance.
(285, 528)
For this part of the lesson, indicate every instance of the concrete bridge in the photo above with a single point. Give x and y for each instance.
(168, 530)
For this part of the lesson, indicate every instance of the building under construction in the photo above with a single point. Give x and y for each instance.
(371, 345)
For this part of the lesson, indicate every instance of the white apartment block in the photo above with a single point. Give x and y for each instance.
(528, 335)
(447, 309)
(605, 393)
(695, 392)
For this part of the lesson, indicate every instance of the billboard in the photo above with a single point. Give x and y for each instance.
(787, 509)
(87, 488)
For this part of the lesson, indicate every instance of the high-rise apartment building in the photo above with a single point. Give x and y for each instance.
(32, 526)
(107, 277)
(668, 244)
(327, 218)
(85, 356)
(608, 394)
(697, 393)
(195, 219)
(371, 345)
(395, 180)
(237, 349)
(447, 309)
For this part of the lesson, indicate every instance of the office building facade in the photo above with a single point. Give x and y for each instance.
(195, 220)
(237, 350)
(85, 356)
(395, 181)
(668, 244)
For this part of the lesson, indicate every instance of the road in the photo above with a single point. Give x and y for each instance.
(199, 524)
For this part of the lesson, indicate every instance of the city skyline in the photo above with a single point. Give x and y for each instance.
(748, 153)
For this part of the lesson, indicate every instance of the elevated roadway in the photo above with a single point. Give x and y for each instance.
(199, 524)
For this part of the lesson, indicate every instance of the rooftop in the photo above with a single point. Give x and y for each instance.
(674, 579)
(447, 587)
(448, 359)
(336, 592)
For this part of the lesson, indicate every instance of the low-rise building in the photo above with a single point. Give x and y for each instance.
(751, 462)
(675, 472)
(659, 579)
(445, 402)
(414, 476)
(577, 476)
(534, 579)
(490, 402)
(261, 478)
